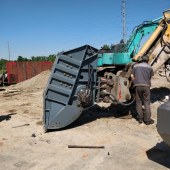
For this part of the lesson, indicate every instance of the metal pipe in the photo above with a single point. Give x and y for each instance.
(83, 146)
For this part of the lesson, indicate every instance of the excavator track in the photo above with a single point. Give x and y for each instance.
(69, 75)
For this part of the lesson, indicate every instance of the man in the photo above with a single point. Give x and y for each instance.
(141, 76)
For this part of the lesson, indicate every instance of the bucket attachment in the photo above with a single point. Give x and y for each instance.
(163, 122)
(71, 87)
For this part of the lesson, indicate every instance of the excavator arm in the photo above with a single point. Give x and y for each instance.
(157, 46)
(122, 53)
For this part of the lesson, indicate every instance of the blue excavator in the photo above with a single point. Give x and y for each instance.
(86, 75)
(122, 53)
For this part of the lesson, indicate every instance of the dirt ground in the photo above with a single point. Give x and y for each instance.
(128, 145)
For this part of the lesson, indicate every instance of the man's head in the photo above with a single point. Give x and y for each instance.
(145, 58)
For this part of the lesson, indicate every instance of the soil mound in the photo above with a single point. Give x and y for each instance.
(37, 82)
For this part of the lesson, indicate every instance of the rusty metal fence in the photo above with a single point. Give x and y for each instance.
(20, 71)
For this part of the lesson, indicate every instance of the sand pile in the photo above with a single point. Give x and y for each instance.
(37, 82)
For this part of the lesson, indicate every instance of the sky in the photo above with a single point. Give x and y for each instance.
(44, 27)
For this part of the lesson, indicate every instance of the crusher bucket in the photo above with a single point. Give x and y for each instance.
(71, 87)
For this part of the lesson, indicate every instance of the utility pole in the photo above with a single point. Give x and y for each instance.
(9, 54)
(123, 13)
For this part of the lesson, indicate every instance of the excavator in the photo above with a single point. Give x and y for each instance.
(85, 76)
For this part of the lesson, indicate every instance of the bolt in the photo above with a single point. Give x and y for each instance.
(125, 83)
(127, 97)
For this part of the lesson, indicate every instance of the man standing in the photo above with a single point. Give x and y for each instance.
(141, 76)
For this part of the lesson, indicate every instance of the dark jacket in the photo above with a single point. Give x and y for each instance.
(142, 73)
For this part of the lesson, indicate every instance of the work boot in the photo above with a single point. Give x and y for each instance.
(150, 122)
(140, 121)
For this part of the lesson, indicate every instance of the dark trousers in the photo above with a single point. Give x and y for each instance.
(143, 96)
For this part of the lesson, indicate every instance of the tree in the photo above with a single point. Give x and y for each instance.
(20, 59)
(3, 65)
(52, 57)
(106, 47)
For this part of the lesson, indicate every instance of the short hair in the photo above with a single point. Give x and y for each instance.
(145, 58)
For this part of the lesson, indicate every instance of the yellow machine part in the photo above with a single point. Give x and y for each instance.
(167, 33)
(156, 33)
(166, 15)
(148, 43)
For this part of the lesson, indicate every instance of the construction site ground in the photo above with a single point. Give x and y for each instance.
(128, 145)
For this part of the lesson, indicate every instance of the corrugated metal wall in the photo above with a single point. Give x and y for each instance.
(20, 71)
